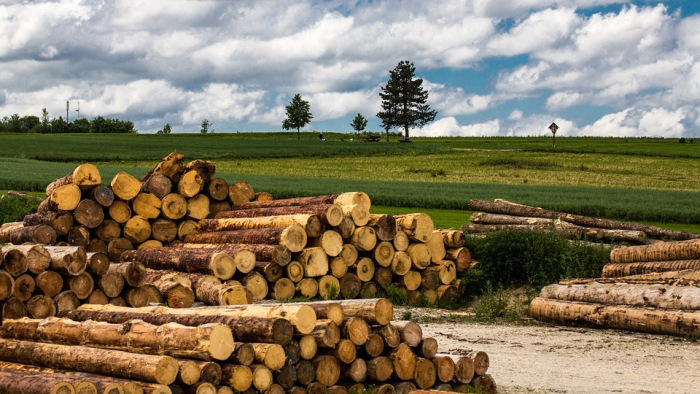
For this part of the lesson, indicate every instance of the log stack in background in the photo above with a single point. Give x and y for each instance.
(490, 216)
(271, 348)
(649, 288)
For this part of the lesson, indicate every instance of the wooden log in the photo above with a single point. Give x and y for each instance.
(351, 198)
(461, 257)
(111, 283)
(134, 273)
(295, 271)
(238, 377)
(243, 354)
(326, 333)
(158, 185)
(328, 287)
(78, 236)
(68, 260)
(380, 369)
(13, 309)
(190, 184)
(137, 229)
(425, 374)
(257, 285)
(410, 332)
(444, 367)
(315, 262)
(293, 237)
(163, 230)
(189, 372)
(88, 213)
(384, 226)
(420, 255)
(198, 207)
(240, 193)
(119, 211)
(452, 238)
(356, 330)
(34, 383)
(447, 295)
(374, 346)
(81, 285)
(210, 371)
(204, 342)
(103, 195)
(173, 206)
(350, 286)
(108, 230)
(412, 280)
(349, 254)
(40, 234)
(176, 293)
(7, 229)
(364, 238)
(206, 261)
(484, 384)
(464, 369)
(97, 246)
(329, 213)
(346, 228)
(263, 196)
(401, 263)
(292, 353)
(278, 254)
(383, 253)
(369, 290)
(401, 241)
(327, 370)
(330, 241)
(205, 168)
(262, 377)
(171, 166)
(404, 362)
(125, 186)
(65, 301)
(85, 176)
(23, 288)
(436, 247)
(217, 206)
(62, 198)
(285, 377)
(59, 221)
(636, 295)
(271, 355)
(447, 272)
(307, 347)
(331, 310)
(217, 189)
(657, 321)
(312, 224)
(481, 361)
(97, 297)
(337, 267)
(147, 205)
(149, 368)
(307, 288)
(359, 214)
(363, 268)
(6, 285)
(374, 311)
(302, 317)
(306, 373)
(664, 251)
(15, 261)
(615, 270)
(417, 226)
(136, 297)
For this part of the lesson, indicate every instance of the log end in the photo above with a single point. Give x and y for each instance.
(166, 370)
(221, 344)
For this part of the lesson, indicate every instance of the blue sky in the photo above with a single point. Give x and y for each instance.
(492, 67)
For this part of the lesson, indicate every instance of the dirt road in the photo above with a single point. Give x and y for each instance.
(559, 359)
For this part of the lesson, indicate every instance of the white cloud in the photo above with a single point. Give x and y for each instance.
(634, 122)
(516, 115)
(449, 127)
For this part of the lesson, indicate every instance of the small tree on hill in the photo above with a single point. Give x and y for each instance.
(404, 100)
(359, 123)
(167, 129)
(298, 115)
(205, 126)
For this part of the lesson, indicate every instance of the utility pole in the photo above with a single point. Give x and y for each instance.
(67, 110)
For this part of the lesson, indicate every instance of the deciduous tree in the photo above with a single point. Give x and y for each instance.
(298, 115)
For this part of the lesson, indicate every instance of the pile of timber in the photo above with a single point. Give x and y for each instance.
(129, 213)
(317, 347)
(328, 246)
(649, 288)
(491, 216)
(40, 281)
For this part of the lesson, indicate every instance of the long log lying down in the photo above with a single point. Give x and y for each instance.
(312, 223)
(205, 261)
(84, 176)
(279, 254)
(59, 221)
(638, 280)
(35, 257)
(418, 226)
(39, 234)
(7, 229)
(556, 226)
(302, 317)
(149, 368)
(625, 269)
(205, 342)
(655, 321)
(510, 208)
(350, 198)
(27, 382)
(293, 237)
(374, 311)
(656, 296)
(664, 251)
(331, 214)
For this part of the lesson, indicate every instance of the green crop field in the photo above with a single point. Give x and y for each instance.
(637, 179)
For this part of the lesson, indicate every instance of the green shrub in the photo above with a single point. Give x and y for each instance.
(15, 208)
(514, 258)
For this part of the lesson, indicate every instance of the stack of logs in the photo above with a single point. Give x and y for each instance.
(501, 215)
(160, 208)
(649, 288)
(317, 347)
(329, 246)
(40, 281)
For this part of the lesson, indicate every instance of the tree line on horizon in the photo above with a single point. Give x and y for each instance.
(45, 125)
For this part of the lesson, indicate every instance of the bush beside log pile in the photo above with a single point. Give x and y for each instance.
(649, 288)
(323, 346)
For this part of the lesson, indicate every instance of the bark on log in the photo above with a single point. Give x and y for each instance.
(39, 234)
(452, 238)
(293, 237)
(350, 198)
(158, 185)
(274, 253)
(664, 251)
(68, 260)
(655, 321)
(205, 261)
(614, 270)
(59, 221)
(34, 383)
(6, 285)
(326, 333)
(170, 166)
(312, 224)
(205, 342)
(654, 296)
(241, 192)
(149, 368)
(329, 213)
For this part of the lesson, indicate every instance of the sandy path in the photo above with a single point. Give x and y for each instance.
(544, 359)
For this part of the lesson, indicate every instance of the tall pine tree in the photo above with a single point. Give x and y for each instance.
(404, 100)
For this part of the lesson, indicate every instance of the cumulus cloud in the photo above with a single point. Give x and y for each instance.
(449, 127)
(632, 122)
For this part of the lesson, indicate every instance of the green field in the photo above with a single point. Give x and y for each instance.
(636, 179)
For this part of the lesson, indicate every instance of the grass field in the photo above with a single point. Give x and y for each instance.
(641, 179)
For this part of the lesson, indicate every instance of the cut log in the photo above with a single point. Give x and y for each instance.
(484, 384)
(85, 176)
(111, 283)
(98, 297)
(271, 355)
(452, 238)
(346, 228)
(359, 214)
(427, 348)
(158, 185)
(349, 254)
(136, 297)
(447, 295)
(345, 351)
(119, 211)
(103, 195)
(81, 285)
(97, 246)
(149, 368)
(59, 221)
(205, 342)
(78, 236)
(257, 285)
(664, 251)
(447, 272)
(350, 286)
(307, 288)
(205, 261)
(263, 196)
(374, 346)
(401, 241)
(62, 198)
(125, 186)
(205, 168)
(331, 310)
(328, 287)
(425, 374)
(173, 206)
(356, 329)
(286, 377)
(68, 260)
(464, 369)
(241, 193)
(383, 253)
(293, 237)
(404, 362)
(243, 354)
(481, 361)
(198, 207)
(163, 230)
(108, 230)
(444, 367)
(307, 347)
(436, 246)
(283, 289)
(327, 370)
(185, 228)
(295, 271)
(137, 229)
(374, 311)
(23, 288)
(329, 213)
(337, 267)
(7, 285)
(292, 352)
(7, 229)
(418, 226)
(189, 373)
(330, 241)
(238, 377)
(636, 295)
(420, 255)
(170, 166)
(657, 321)
(311, 223)
(363, 268)
(217, 189)
(384, 226)
(39, 234)
(15, 261)
(134, 273)
(314, 261)
(411, 333)
(326, 333)
(190, 184)
(13, 309)
(380, 369)
(116, 247)
(210, 371)
(273, 253)
(615, 270)
(88, 213)
(306, 373)
(356, 371)
(147, 205)
(34, 383)
(364, 239)
(65, 301)
(401, 263)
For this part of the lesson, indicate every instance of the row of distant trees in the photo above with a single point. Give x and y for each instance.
(404, 105)
(46, 125)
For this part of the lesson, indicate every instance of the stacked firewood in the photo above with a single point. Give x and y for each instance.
(650, 288)
(328, 246)
(499, 214)
(40, 281)
(272, 348)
